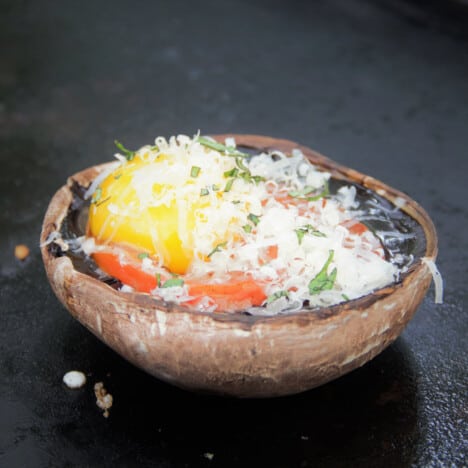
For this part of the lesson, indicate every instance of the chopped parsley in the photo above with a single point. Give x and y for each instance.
(229, 150)
(301, 193)
(253, 218)
(276, 295)
(241, 171)
(97, 195)
(306, 192)
(323, 281)
(173, 282)
(245, 172)
(218, 248)
(143, 255)
(231, 173)
(194, 171)
(228, 186)
(307, 229)
(129, 155)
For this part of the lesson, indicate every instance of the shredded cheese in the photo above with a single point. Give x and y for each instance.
(437, 278)
(95, 183)
(231, 212)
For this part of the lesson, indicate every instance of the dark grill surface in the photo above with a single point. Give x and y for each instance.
(381, 86)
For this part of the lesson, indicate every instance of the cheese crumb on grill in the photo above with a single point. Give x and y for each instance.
(104, 400)
(74, 379)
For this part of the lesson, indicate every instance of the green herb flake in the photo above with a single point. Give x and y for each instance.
(97, 195)
(317, 233)
(307, 191)
(217, 248)
(158, 279)
(247, 228)
(173, 282)
(231, 173)
(241, 171)
(308, 229)
(345, 297)
(257, 179)
(300, 233)
(229, 150)
(240, 164)
(204, 192)
(301, 193)
(276, 295)
(143, 255)
(324, 193)
(129, 155)
(117, 176)
(253, 218)
(229, 185)
(194, 171)
(323, 281)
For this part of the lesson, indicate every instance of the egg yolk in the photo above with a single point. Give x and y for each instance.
(118, 215)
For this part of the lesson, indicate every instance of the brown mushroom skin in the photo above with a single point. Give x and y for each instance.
(235, 354)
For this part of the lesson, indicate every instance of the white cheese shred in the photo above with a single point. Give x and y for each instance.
(209, 215)
(52, 237)
(74, 379)
(97, 181)
(437, 278)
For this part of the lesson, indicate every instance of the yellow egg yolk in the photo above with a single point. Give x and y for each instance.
(118, 215)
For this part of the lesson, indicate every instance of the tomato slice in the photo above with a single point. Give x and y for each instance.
(238, 292)
(358, 228)
(128, 273)
(272, 251)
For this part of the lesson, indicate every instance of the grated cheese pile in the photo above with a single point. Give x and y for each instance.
(198, 209)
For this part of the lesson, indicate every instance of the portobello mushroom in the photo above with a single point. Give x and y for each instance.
(238, 354)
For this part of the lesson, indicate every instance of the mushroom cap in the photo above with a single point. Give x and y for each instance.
(237, 354)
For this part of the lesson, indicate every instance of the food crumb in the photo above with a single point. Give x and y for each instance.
(21, 251)
(104, 400)
(208, 455)
(74, 379)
